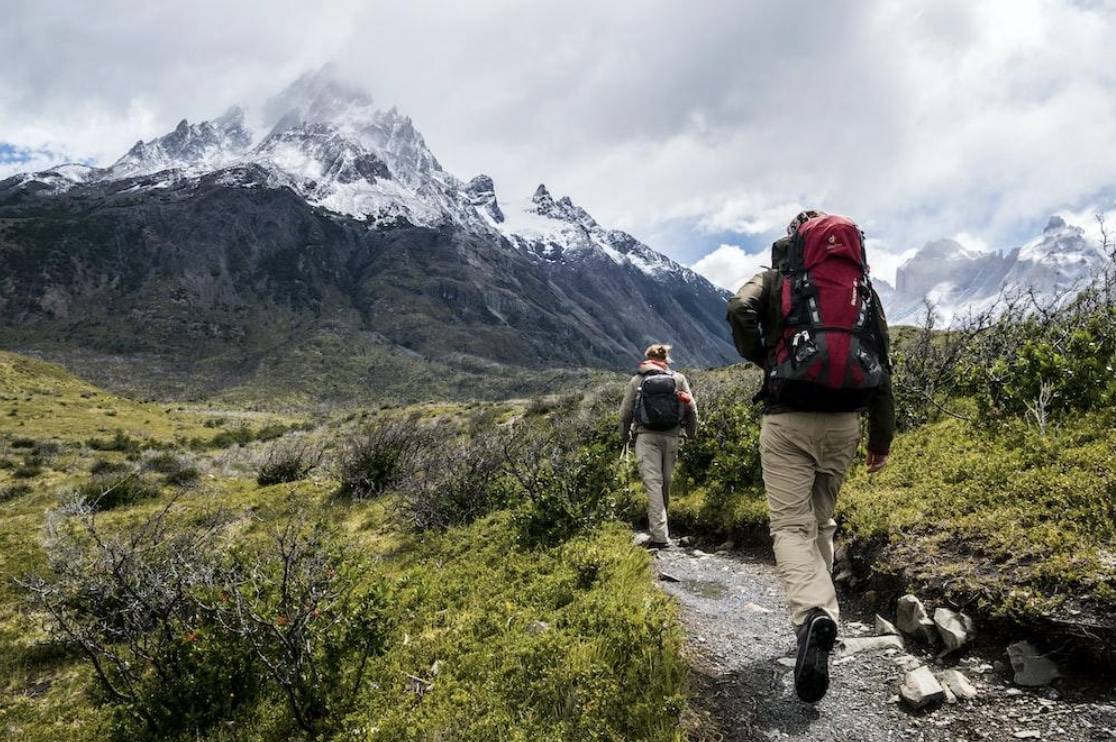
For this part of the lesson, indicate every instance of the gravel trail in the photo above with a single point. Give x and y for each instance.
(741, 649)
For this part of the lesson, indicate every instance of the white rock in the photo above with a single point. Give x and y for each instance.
(787, 661)
(698, 553)
(854, 645)
(641, 538)
(885, 627)
(956, 681)
(1031, 668)
(1028, 734)
(667, 577)
(950, 698)
(911, 618)
(956, 629)
(920, 688)
(537, 627)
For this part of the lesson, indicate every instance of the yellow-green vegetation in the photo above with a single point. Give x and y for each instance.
(1023, 522)
(505, 623)
(42, 401)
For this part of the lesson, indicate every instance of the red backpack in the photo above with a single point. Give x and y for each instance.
(825, 351)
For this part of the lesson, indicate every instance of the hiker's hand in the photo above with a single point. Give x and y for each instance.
(876, 462)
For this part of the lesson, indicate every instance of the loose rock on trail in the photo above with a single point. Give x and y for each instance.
(741, 650)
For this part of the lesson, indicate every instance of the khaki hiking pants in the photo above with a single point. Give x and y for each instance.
(656, 454)
(805, 456)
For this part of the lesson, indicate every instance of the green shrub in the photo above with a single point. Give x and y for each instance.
(456, 483)
(105, 466)
(121, 441)
(381, 457)
(565, 488)
(227, 438)
(1049, 375)
(13, 491)
(162, 663)
(176, 471)
(31, 467)
(104, 492)
(182, 635)
(288, 463)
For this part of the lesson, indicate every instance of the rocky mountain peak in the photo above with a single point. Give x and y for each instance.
(1056, 223)
(481, 193)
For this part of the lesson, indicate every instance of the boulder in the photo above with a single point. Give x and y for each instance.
(855, 645)
(885, 627)
(920, 688)
(1030, 667)
(668, 577)
(956, 681)
(641, 539)
(911, 618)
(956, 629)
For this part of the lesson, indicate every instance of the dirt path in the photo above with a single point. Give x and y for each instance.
(741, 649)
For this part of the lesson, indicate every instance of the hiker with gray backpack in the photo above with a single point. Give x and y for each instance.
(815, 325)
(658, 410)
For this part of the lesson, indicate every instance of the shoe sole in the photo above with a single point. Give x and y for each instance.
(811, 672)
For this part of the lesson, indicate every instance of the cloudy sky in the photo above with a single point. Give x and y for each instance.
(701, 127)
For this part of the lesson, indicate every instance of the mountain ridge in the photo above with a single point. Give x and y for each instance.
(338, 220)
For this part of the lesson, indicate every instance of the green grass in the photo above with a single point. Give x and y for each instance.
(1025, 523)
(470, 602)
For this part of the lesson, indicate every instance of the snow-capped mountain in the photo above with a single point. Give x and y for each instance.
(215, 240)
(328, 142)
(192, 148)
(958, 280)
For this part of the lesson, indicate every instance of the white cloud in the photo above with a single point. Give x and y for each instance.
(730, 267)
(959, 116)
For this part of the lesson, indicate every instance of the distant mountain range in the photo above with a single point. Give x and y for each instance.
(329, 249)
(958, 280)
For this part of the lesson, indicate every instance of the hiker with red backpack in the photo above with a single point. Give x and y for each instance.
(815, 325)
(658, 409)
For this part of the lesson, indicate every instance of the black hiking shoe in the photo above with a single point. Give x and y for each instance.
(658, 545)
(815, 640)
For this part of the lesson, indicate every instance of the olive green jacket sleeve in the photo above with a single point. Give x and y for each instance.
(627, 410)
(881, 410)
(745, 317)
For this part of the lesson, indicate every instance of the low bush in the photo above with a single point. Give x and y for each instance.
(176, 471)
(288, 463)
(181, 635)
(22, 443)
(29, 468)
(381, 457)
(564, 488)
(120, 441)
(107, 491)
(105, 466)
(13, 491)
(456, 483)
(129, 603)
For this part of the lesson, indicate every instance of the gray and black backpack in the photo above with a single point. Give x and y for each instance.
(657, 406)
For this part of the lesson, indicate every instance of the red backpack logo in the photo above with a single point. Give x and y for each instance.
(827, 339)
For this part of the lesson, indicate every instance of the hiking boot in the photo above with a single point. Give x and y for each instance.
(658, 545)
(815, 640)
